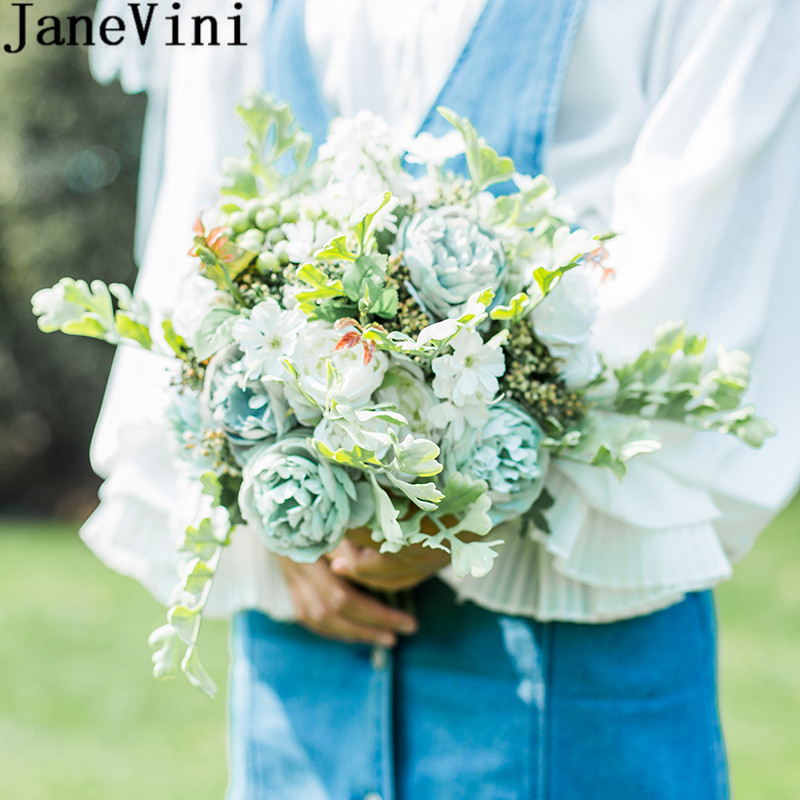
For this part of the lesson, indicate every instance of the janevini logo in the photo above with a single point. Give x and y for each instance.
(142, 22)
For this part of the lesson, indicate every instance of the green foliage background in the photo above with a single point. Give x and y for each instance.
(68, 170)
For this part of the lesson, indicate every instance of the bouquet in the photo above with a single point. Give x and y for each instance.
(372, 337)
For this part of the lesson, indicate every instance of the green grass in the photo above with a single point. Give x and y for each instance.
(82, 719)
(760, 664)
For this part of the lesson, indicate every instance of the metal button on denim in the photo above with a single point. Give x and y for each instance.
(372, 796)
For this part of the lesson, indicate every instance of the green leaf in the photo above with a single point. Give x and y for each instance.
(416, 456)
(356, 457)
(211, 487)
(166, 658)
(271, 133)
(546, 278)
(331, 310)
(76, 308)
(336, 250)
(90, 327)
(185, 620)
(743, 424)
(386, 304)
(610, 441)
(196, 581)
(365, 278)
(133, 330)
(424, 495)
(753, 431)
(460, 492)
(365, 227)
(603, 457)
(477, 519)
(386, 515)
(215, 331)
(515, 310)
(472, 558)
(202, 541)
(323, 449)
(669, 336)
(241, 182)
(485, 166)
(323, 287)
(196, 672)
(174, 341)
(672, 381)
(295, 375)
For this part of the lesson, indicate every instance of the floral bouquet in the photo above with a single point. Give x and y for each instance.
(373, 338)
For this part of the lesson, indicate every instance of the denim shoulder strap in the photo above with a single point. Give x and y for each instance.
(509, 78)
(289, 70)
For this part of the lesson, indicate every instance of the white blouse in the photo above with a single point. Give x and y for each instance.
(679, 126)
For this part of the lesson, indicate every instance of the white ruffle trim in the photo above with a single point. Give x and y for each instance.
(596, 567)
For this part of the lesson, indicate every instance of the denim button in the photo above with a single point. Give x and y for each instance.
(372, 796)
(378, 660)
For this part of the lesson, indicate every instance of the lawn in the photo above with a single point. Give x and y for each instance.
(81, 718)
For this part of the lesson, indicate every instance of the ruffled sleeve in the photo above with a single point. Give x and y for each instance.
(709, 208)
(145, 505)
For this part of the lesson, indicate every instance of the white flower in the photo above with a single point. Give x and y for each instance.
(305, 237)
(364, 156)
(568, 312)
(569, 245)
(443, 329)
(290, 292)
(473, 413)
(405, 388)
(197, 296)
(315, 347)
(471, 371)
(580, 363)
(267, 337)
(434, 150)
(359, 142)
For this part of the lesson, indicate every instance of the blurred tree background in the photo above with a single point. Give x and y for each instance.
(69, 151)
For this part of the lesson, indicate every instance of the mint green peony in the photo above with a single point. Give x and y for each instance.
(299, 504)
(450, 256)
(248, 412)
(506, 454)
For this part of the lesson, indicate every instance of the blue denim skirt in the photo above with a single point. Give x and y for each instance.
(480, 706)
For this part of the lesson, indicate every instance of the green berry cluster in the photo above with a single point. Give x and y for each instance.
(257, 228)
(411, 319)
(532, 380)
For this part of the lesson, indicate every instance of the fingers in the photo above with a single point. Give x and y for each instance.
(361, 536)
(388, 571)
(332, 607)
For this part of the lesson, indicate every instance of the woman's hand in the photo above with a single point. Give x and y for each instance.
(329, 605)
(357, 559)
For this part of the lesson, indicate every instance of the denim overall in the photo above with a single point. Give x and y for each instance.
(476, 705)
